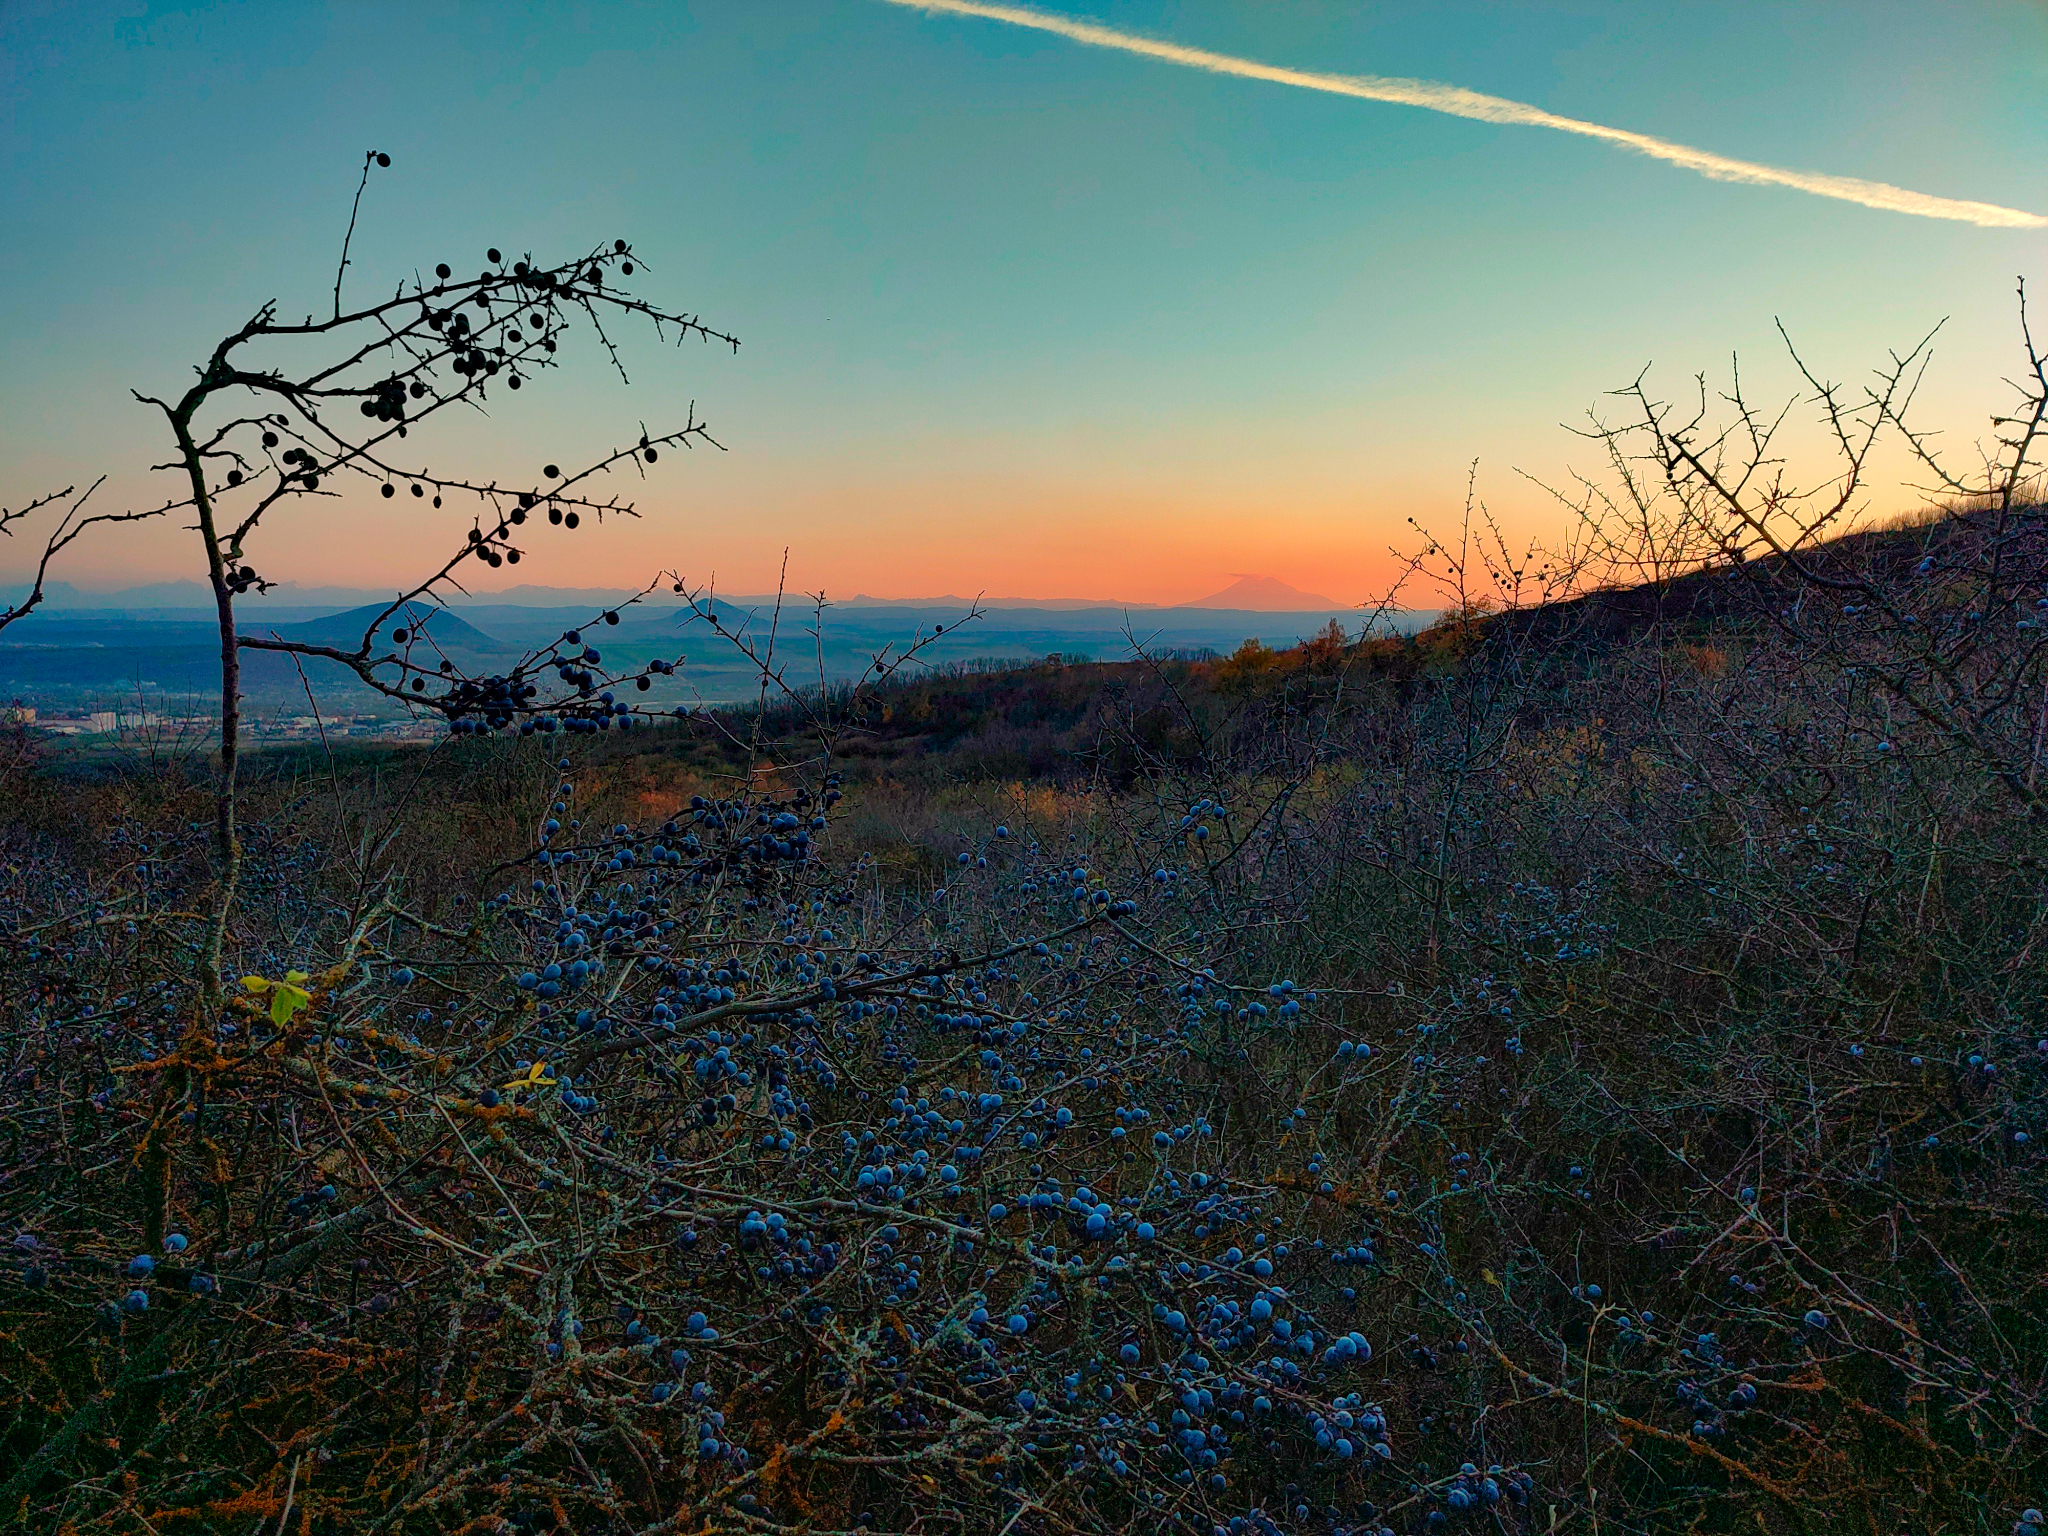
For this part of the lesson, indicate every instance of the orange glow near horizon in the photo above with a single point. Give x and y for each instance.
(950, 532)
(1006, 540)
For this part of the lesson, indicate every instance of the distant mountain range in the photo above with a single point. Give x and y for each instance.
(1267, 594)
(344, 631)
(62, 597)
(1248, 594)
(160, 643)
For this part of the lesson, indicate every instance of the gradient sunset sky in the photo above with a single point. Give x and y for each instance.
(1020, 316)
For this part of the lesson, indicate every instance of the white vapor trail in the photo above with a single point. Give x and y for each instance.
(1455, 100)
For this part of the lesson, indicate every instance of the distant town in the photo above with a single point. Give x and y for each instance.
(128, 726)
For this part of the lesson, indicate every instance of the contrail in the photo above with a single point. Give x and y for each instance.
(1458, 102)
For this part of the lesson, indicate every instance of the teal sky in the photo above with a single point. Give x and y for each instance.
(1019, 316)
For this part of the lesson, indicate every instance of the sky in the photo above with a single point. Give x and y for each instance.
(1020, 315)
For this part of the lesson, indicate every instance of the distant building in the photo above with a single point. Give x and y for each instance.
(108, 722)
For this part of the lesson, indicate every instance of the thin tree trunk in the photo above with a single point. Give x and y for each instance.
(228, 845)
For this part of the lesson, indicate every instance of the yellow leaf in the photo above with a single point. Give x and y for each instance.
(286, 1000)
(536, 1077)
(287, 997)
(1488, 1276)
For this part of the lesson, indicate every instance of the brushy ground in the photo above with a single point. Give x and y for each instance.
(1577, 1070)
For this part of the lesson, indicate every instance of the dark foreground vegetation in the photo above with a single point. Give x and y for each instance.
(1578, 1068)
(1629, 1037)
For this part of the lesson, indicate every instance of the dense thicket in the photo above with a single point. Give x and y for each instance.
(1539, 1074)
